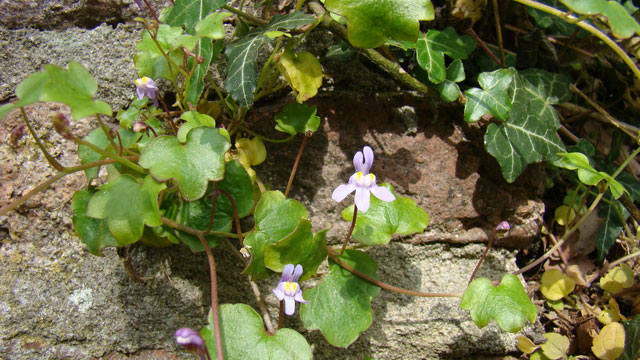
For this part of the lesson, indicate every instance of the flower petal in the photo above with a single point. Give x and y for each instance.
(382, 193)
(297, 273)
(140, 93)
(287, 273)
(279, 293)
(362, 199)
(357, 161)
(368, 159)
(342, 191)
(289, 305)
(298, 297)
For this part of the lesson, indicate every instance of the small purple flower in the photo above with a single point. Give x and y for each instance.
(191, 341)
(363, 182)
(288, 288)
(502, 229)
(147, 87)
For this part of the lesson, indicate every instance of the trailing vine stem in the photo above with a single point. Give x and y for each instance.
(52, 161)
(484, 254)
(588, 27)
(307, 135)
(334, 257)
(68, 170)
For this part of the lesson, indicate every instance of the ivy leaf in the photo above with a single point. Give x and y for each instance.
(340, 306)
(190, 12)
(192, 165)
(507, 303)
(553, 25)
(93, 232)
(494, 98)
(196, 214)
(622, 24)
(244, 338)
(303, 73)
(300, 247)
(614, 215)
(74, 87)
(127, 206)
(297, 119)
(275, 217)
(212, 26)
(632, 339)
(242, 69)
(385, 219)
(371, 22)
(432, 46)
(98, 138)
(448, 89)
(193, 120)
(529, 135)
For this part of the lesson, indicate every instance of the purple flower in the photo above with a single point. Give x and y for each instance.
(363, 182)
(503, 228)
(140, 5)
(191, 341)
(288, 288)
(147, 87)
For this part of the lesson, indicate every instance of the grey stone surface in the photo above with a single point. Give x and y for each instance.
(59, 302)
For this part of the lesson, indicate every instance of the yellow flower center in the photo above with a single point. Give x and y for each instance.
(290, 288)
(365, 180)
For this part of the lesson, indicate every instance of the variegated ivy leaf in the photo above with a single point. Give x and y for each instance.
(432, 46)
(242, 69)
(371, 22)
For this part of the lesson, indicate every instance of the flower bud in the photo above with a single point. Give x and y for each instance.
(502, 229)
(191, 340)
(61, 124)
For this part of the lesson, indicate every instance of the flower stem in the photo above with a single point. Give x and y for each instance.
(386, 286)
(123, 160)
(281, 314)
(484, 254)
(307, 135)
(353, 225)
(52, 161)
(262, 306)
(214, 296)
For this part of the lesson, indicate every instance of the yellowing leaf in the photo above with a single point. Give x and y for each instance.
(611, 313)
(618, 278)
(555, 285)
(251, 151)
(609, 343)
(471, 9)
(526, 345)
(564, 215)
(303, 72)
(556, 346)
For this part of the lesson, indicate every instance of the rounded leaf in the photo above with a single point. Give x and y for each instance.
(609, 343)
(617, 279)
(555, 284)
(556, 346)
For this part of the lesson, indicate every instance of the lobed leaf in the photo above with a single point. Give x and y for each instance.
(371, 22)
(507, 303)
(432, 46)
(340, 305)
(385, 219)
(127, 206)
(93, 232)
(494, 98)
(300, 247)
(244, 337)
(98, 138)
(275, 218)
(192, 165)
(297, 119)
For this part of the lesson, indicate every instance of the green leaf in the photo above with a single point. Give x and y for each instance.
(529, 135)
(586, 173)
(385, 219)
(244, 338)
(149, 60)
(130, 115)
(448, 89)
(303, 73)
(632, 339)
(212, 26)
(297, 119)
(556, 346)
(98, 138)
(507, 303)
(275, 217)
(300, 247)
(554, 25)
(622, 24)
(190, 12)
(340, 306)
(93, 232)
(127, 206)
(371, 22)
(192, 165)
(614, 215)
(196, 214)
(193, 120)
(432, 46)
(494, 98)
(74, 87)
(242, 69)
